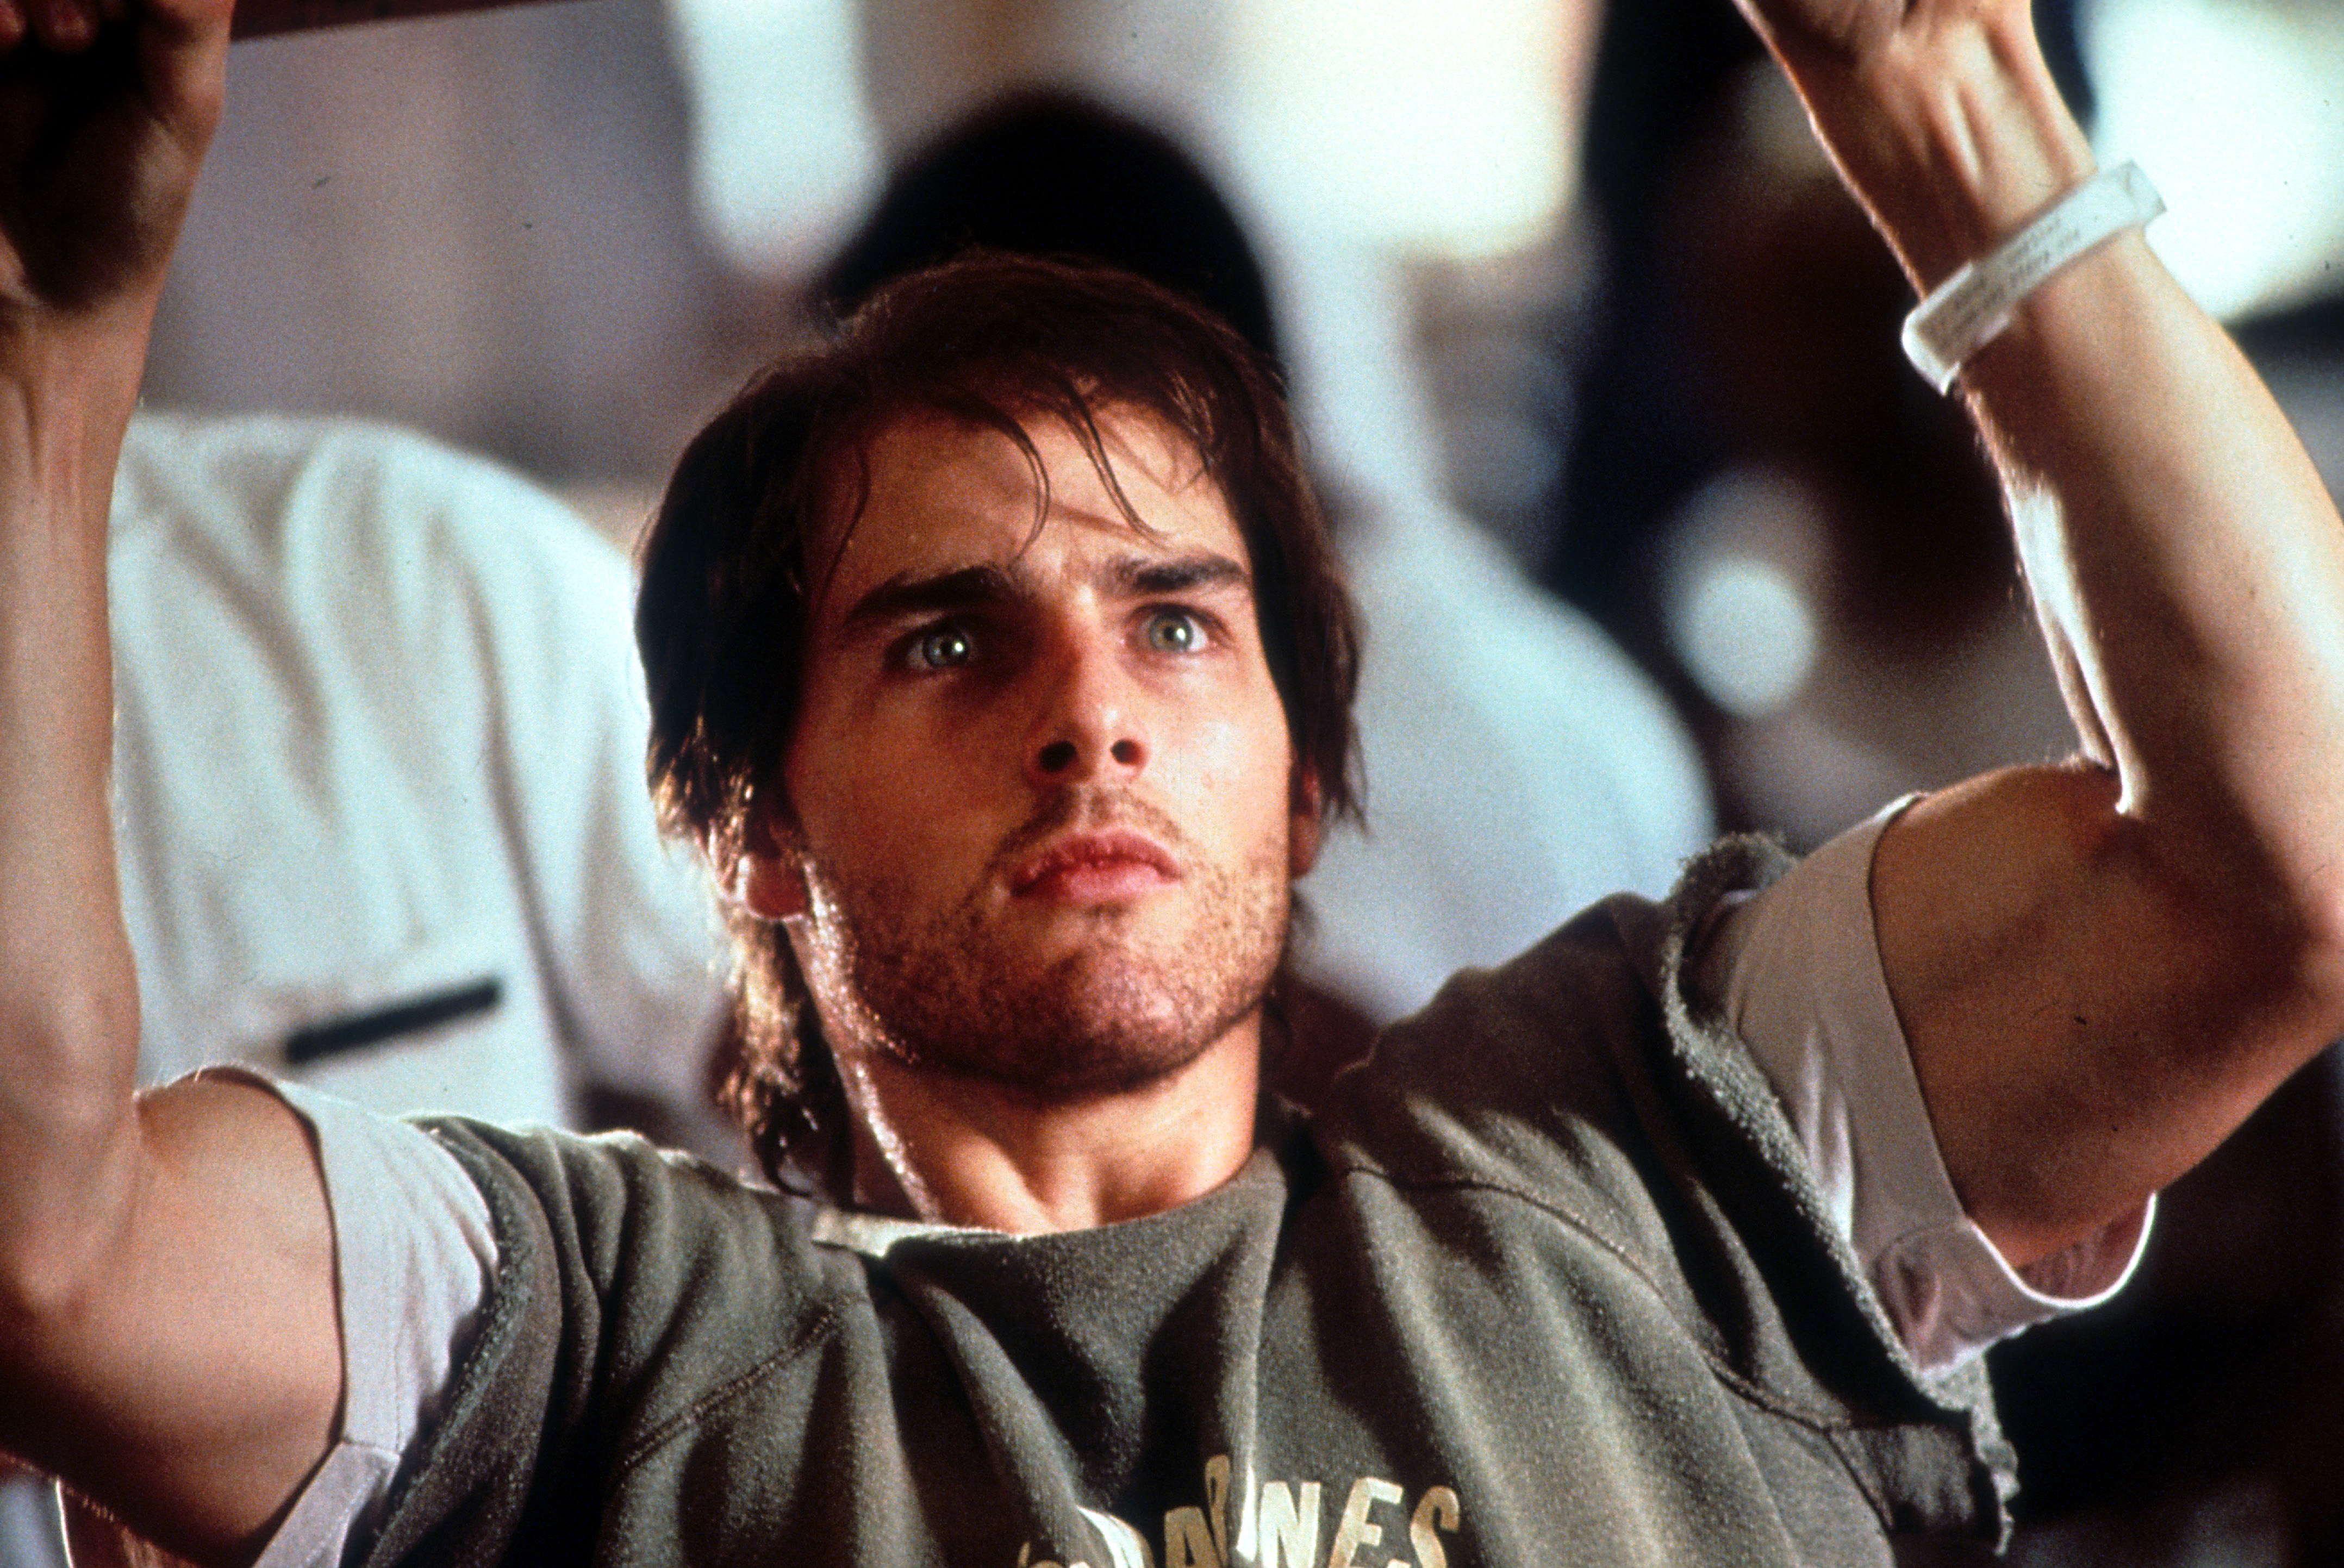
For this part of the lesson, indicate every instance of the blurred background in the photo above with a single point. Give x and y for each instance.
(1575, 273)
(1645, 325)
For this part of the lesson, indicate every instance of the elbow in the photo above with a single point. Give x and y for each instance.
(67, 1129)
(2280, 918)
(2319, 926)
(2290, 907)
(71, 1056)
(2255, 895)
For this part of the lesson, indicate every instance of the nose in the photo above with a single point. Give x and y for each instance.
(1088, 726)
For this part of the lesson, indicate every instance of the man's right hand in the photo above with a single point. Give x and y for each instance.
(105, 112)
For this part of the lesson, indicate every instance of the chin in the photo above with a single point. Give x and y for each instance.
(1112, 1004)
(1089, 1028)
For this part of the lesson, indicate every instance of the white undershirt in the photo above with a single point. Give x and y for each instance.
(1837, 1056)
(1796, 969)
(413, 1253)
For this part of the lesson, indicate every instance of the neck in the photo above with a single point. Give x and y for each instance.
(967, 1152)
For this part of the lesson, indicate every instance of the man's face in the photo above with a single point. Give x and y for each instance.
(1042, 786)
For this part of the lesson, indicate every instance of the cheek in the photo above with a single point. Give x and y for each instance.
(1244, 775)
(878, 793)
(830, 772)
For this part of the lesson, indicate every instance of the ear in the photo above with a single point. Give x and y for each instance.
(1307, 805)
(765, 877)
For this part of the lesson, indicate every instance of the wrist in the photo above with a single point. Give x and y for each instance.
(1982, 297)
(1953, 140)
(68, 388)
(91, 359)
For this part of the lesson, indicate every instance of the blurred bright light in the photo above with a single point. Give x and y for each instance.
(1736, 597)
(1745, 630)
(2232, 106)
(1441, 129)
(784, 153)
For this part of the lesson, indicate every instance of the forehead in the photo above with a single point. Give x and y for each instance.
(942, 494)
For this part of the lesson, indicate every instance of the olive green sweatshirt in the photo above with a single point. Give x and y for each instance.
(1545, 1282)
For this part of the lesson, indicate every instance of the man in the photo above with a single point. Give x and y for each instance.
(1014, 706)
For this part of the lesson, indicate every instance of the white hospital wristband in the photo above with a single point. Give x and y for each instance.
(1965, 313)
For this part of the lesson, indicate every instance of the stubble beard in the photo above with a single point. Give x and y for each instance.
(958, 993)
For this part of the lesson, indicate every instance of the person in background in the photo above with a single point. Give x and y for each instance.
(380, 810)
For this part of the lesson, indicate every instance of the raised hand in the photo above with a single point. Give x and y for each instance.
(106, 108)
(1856, 30)
(1940, 114)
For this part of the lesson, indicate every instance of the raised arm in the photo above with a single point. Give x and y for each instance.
(167, 1338)
(2102, 967)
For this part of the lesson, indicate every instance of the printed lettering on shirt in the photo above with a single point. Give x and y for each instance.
(1125, 1547)
(1188, 1544)
(1356, 1531)
(1274, 1524)
(1437, 1509)
(1289, 1525)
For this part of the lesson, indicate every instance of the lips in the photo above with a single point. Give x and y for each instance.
(1097, 867)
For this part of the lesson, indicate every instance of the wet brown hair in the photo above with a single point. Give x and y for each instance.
(996, 340)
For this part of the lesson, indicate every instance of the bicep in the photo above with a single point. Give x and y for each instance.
(2086, 1019)
(195, 1386)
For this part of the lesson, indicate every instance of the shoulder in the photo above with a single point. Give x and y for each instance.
(1590, 1037)
(636, 1290)
(650, 1278)
(653, 1245)
(1588, 1082)
(1586, 1092)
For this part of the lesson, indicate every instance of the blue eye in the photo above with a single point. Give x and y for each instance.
(940, 647)
(1174, 631)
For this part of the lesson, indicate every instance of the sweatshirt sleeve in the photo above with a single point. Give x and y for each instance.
(413, 1254)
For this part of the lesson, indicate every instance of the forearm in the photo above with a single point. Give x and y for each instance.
(68, 1004)
(2182, 550)
(2180, 542)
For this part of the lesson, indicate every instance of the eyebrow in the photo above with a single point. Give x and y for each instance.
(1139, 577)
(902, 595)
(1129, 577)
